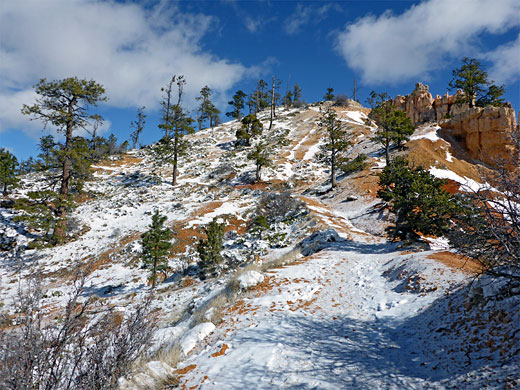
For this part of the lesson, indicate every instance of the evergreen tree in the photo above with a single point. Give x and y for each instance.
(418, 199)
(393, 124)
(297, 95)
(238, 104)
(287, 100)
(175, 123)
(329, 96)
(261, 158)
(213, 113)
(8, 164)
(138, 125)
(251, 127)
(473, 81)
(156, 247)
(210, 249)
(336, 141)
(64, 103)
(206, 109)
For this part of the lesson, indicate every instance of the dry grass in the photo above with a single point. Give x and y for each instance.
(459, 262)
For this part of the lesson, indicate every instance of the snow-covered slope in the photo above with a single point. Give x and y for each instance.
(320, 300)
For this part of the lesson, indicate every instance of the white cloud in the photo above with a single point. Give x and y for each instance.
(393, 48)
(506, 62)
(133, 52)
(305, 15)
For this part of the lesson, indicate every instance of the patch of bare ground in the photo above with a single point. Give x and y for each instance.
(312, 139)
(365, 182)
(125, 159)
(458, 262)
(426, 153)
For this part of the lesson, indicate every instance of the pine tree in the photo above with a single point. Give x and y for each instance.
(238, 104)
(418, 199)
(251, 127)
(393, 124)
(297, 95)
(156, 247)
(336, 141)
(138, 125)
(210, 249)
(329, 96)
(8, 164)
(175, 123)
(473, 81)
(287, 100)
(206, 109)
(63, 103)
(261, 158)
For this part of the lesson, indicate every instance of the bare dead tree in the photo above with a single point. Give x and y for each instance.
(488, 229)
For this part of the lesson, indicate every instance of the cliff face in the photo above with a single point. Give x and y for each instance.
(485, 131)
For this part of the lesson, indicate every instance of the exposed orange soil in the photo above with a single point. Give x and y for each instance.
(459, 262)
(222, 351)
(124, 160)
(305, 145)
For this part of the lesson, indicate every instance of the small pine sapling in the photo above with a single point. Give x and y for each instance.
(210, 249)
(261, 158)
(156, 247)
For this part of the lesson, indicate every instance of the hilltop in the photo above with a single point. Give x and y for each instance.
(319, 298)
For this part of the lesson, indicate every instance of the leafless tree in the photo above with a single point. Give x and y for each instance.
(489, 227)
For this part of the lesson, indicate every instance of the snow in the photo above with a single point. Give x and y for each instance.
(249, 279)
(194, 335)
(467, 183)
(449, 156)
(430, 133)
(357, 116)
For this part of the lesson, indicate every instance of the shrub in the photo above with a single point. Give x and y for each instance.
(278, 207)
(355, 165)
(76, 352)
(417, 198)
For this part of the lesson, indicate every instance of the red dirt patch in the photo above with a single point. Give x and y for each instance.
(459, 262)
(222, 351)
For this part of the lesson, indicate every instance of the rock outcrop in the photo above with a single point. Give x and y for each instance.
(485, 131)
(420, 106)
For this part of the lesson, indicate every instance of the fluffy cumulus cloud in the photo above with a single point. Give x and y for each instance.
(393, 48)
(131, 50)
(506, 62)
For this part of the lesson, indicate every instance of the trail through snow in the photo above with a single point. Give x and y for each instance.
(335, 320)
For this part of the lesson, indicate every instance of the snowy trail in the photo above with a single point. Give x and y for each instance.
(336, 320)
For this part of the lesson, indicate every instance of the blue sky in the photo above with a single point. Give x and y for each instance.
(134, 47)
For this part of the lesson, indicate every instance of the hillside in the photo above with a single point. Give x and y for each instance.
(321, 299)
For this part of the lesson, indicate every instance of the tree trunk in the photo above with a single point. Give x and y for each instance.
(5, 189)
(61, 225)
(154, 273)
(272, 105)
(175, 159)
(258, 167)
(333, 170)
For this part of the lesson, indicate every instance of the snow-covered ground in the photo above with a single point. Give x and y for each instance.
(349, 311)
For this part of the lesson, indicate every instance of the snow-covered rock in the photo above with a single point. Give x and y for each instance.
(249, 279)
(194, 335)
